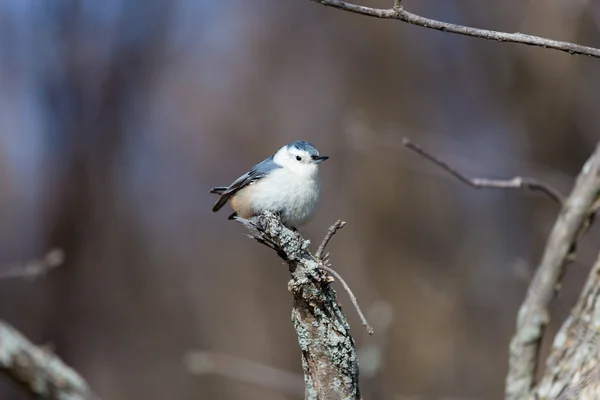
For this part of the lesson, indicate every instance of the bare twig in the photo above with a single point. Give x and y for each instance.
(479, 183)
(329, 357)
(244, 370)
(39, 371)
(351, 295)
(399, 13)
(574, 218)
(35, 268)
(339, 224)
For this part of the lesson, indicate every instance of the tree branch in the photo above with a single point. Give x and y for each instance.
(353, 299)
(517, 182)
(40, 372)
(329, 357)
(574, 219)
(573, 365)
(399, 13)
(339, 224)
(35, 268)
(36, 369)
(244, 370)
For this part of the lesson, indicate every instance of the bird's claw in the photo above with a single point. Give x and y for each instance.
(296, 233)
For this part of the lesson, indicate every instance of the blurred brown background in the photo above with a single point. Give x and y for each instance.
(117, 116)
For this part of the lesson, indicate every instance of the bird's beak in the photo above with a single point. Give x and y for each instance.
(319, 159)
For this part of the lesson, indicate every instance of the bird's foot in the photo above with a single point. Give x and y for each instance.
(279, 215)
(296, 232)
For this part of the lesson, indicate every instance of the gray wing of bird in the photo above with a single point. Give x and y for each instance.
(257, 172)
(218, 190)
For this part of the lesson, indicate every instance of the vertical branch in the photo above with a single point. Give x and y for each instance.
(573, 365)
(574, 219)
(329, 357)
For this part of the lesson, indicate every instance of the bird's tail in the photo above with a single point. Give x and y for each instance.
(218, 190)
(222, 199)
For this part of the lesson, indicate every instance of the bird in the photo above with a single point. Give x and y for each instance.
(286, 183)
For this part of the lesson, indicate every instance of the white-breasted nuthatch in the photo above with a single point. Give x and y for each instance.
(286, 183)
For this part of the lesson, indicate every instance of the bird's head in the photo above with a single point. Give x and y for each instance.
(299, 156)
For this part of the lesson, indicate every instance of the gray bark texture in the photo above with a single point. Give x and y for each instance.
(329, 357)
(572, 369)
(38, 371)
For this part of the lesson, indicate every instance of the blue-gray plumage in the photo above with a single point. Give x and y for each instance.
(285, 183)
(303, 145)
(257, 172)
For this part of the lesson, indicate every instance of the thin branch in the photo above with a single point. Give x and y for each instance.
(329, 357)
(399, 13)
(517, 182)
(574, 219)
(351, 295)
(35, 268)
(244, 370)
(339, 224)
(39, 371)
(362, 138)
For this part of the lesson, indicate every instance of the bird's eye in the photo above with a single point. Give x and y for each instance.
(298, 158)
